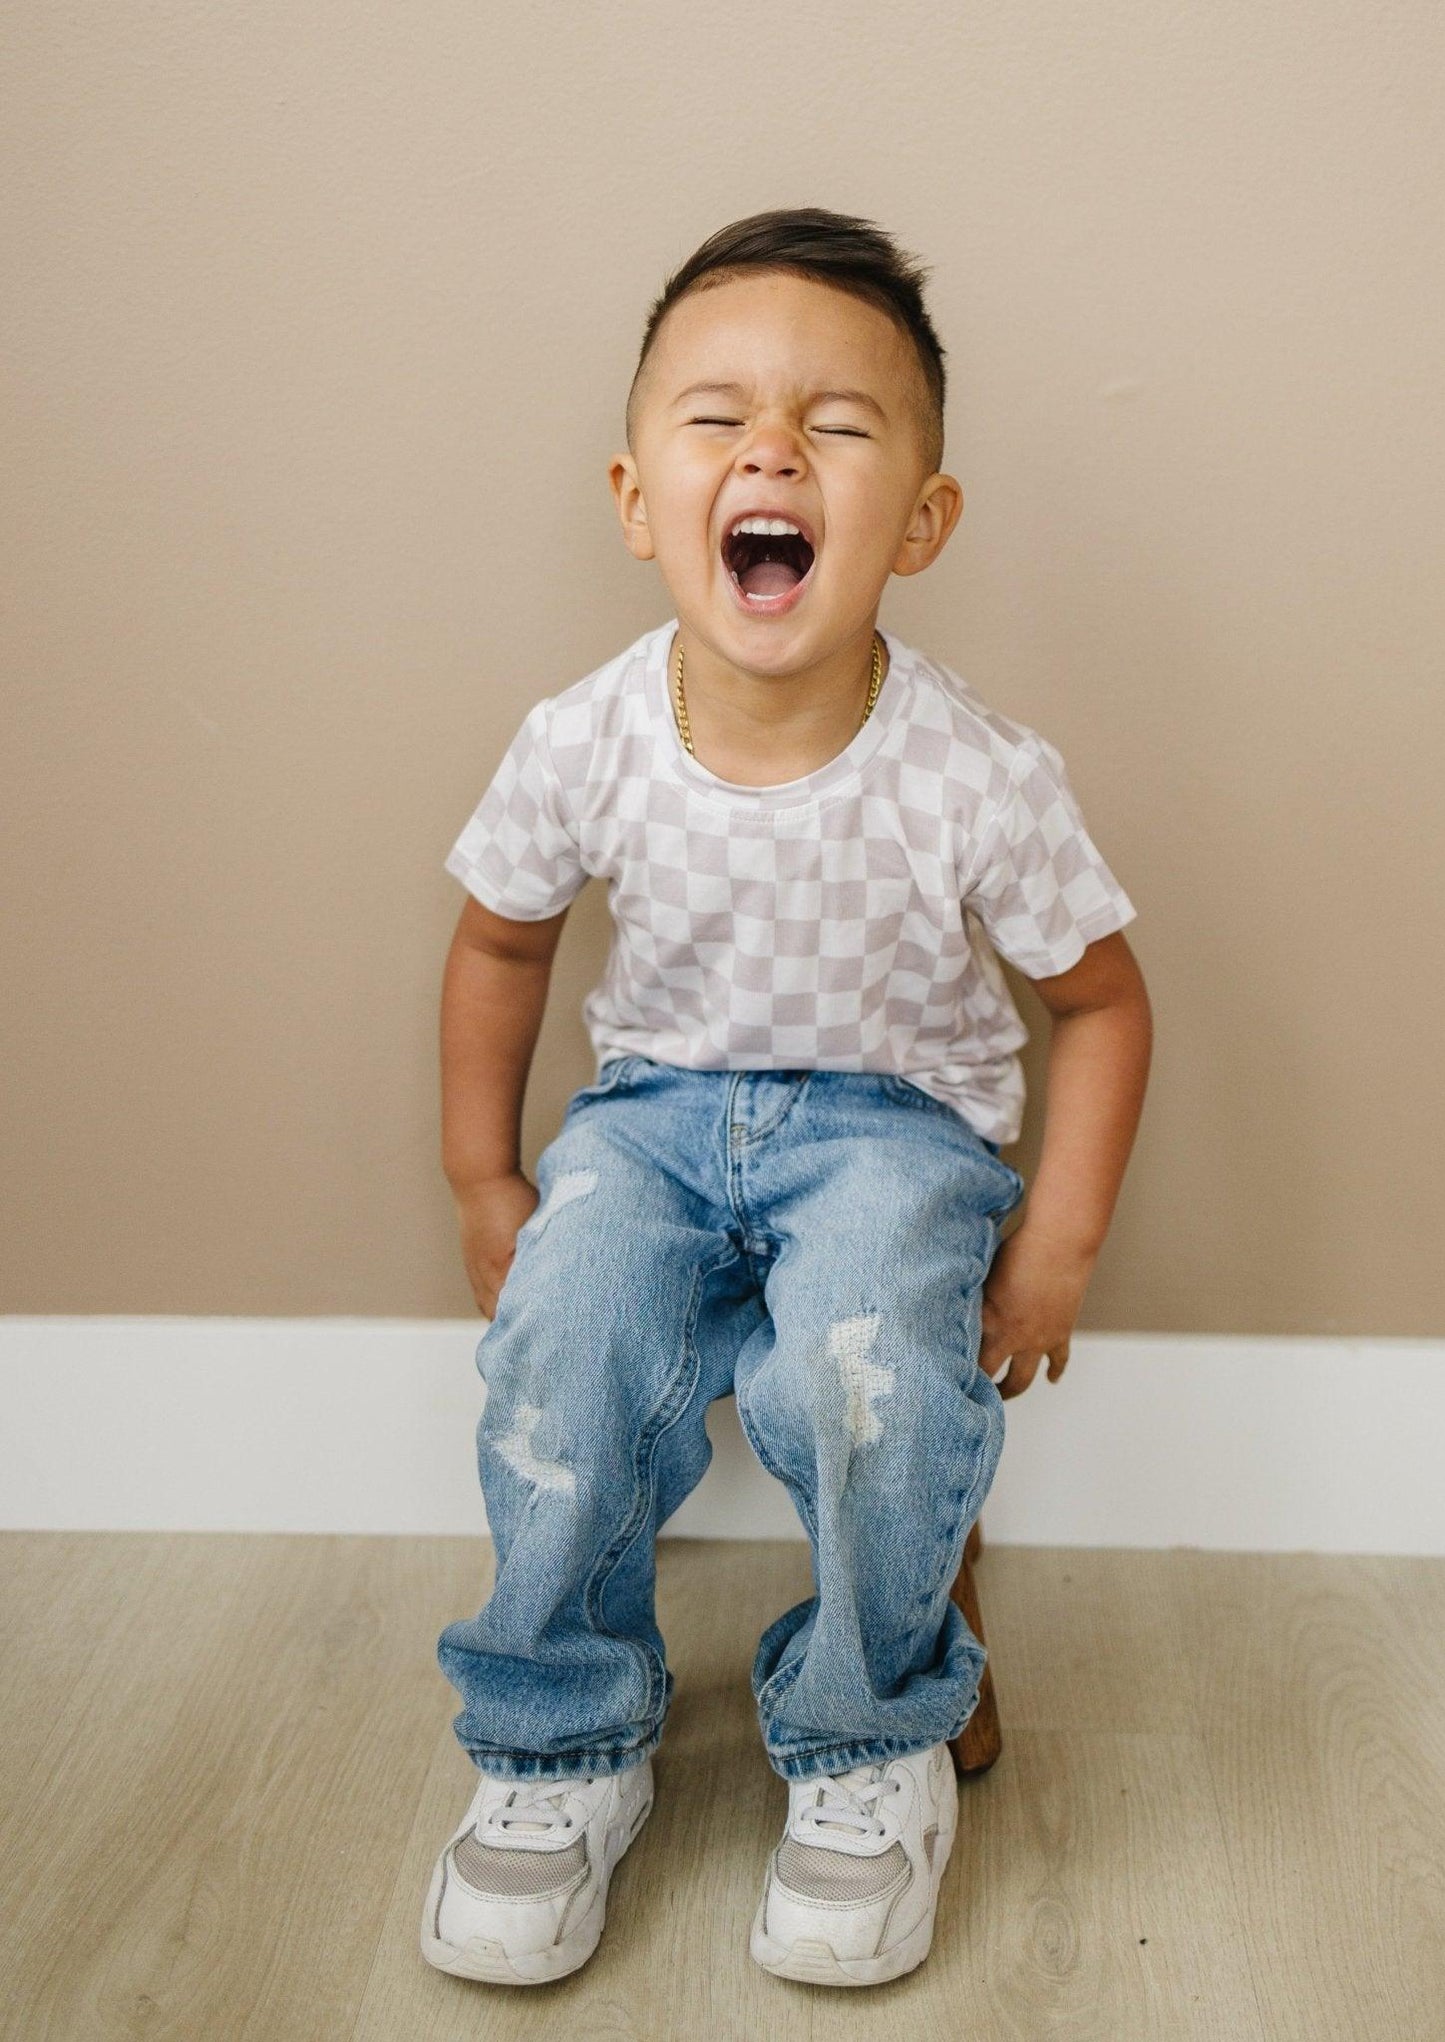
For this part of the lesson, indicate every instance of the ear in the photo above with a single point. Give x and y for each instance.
(627, 493)
(937, 511)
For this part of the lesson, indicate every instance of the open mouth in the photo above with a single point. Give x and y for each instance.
(768, 559)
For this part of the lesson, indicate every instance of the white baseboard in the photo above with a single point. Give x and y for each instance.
(368, 1425)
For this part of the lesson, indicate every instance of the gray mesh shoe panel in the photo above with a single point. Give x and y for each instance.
(517, 1875)
(815, 1874)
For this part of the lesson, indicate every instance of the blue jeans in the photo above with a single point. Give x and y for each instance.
(814, 1243)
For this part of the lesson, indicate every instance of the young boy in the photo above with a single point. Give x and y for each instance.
(785, 1182)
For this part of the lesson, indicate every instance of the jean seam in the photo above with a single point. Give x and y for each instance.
(801, 1500)
(794, 1099)
(773, 1687)
(659, 1421)
(978, 1493)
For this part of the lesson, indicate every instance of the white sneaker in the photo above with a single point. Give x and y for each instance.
(519, 1894)
(852, 1889)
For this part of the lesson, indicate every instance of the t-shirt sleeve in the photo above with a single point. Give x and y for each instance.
(519, 852)
(1041, 887)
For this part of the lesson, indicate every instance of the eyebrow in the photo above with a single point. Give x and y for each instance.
(819, 396)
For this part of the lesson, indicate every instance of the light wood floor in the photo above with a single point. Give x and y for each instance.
(227, 1765)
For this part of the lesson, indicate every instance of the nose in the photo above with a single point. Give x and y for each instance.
(773, 449)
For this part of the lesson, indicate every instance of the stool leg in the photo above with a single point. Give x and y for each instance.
(980, 1741)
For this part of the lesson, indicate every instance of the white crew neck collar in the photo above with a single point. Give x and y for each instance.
(837, 773)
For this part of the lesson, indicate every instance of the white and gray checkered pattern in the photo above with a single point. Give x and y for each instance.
(835, 922)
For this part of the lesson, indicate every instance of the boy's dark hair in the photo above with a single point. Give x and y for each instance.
(852, 255)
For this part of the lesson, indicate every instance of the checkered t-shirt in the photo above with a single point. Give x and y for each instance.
(844, 921)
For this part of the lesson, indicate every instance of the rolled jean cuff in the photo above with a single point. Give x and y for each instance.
(817, 1759)
(594, 1760)
(841, 1758)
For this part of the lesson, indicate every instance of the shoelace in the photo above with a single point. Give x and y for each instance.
(535, 1806)
(835, 1806)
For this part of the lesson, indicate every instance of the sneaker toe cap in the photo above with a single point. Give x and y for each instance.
(848, 1930)
(523, 1903)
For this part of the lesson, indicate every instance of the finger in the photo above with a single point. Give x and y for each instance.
(991, 1356)
(1022, 1370)
(1058, 1362)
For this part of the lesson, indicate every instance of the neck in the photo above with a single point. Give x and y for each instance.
(743, 706)
(772, 749)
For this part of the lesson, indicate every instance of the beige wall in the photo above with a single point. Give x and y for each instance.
(316, 339)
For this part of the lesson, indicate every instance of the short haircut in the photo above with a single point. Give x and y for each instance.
(852, 255)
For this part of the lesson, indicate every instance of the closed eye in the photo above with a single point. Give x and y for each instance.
(849, 431)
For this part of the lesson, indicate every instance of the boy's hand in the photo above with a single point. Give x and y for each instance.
(490, 1216)
(1031, 1299)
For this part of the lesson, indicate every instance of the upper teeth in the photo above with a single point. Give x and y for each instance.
(767, 528)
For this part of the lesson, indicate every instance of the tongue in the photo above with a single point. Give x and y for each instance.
(769, 578)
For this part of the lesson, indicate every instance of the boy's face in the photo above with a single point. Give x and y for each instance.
(777, 394)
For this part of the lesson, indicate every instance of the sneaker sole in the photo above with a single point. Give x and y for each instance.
(486, 1961)
(812, 1962)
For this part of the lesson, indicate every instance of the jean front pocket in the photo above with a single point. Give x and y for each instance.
(906, 1093)
(1019, 1187)
(613, 1074)
(1016, 1187)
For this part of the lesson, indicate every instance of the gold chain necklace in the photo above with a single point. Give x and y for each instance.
(874, 685)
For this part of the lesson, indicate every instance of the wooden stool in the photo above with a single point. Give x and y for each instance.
(980, 1741)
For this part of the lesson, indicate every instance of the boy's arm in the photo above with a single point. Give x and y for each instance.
(494, 991)
(1099, 1052)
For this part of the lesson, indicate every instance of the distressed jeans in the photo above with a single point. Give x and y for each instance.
(814, 1243)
